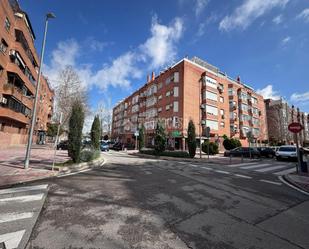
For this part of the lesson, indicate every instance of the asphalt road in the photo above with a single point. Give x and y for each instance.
(146, 203)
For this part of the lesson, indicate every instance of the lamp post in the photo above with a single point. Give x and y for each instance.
(48, 16)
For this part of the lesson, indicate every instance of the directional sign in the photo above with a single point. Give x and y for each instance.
(295, 127)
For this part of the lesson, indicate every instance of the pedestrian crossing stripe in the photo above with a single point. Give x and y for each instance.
(284, 172)
(256, 166)
(12, 240)
(270, 168)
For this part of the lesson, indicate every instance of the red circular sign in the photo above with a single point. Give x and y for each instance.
(295, 127)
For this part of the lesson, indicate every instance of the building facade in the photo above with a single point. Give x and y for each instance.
(19, 64)
(192, 89)
(279, 116)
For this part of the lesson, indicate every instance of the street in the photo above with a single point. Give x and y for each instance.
(149, 203)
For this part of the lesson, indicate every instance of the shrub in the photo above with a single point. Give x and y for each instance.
(213, 148)
(95, 133)
(76, 123)
(182, 154)
(89, 155)
(160, 139)
(191, 139)
(231, 143)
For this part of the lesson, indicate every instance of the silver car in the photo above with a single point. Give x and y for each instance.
(286, 152)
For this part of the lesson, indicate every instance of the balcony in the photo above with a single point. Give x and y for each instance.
(20, 38)
(17, 93)
(11, 114)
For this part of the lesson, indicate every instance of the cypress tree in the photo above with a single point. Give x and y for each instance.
(76, 123)
(191, 139)
(160, 139)
(141, 137)
(96, 133)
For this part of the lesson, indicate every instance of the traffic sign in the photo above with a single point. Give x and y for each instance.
(295, 127)
(136, 133)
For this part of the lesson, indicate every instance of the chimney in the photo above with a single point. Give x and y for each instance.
(238, 79)
(152, 76)
(148, 78)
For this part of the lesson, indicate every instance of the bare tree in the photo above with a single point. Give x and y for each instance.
(68, 89)
(105, 112)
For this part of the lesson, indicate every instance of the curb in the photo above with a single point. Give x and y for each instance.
(78, 169)
(177, 158)
(293, 185)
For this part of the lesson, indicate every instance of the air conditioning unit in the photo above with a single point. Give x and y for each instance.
(3, 100)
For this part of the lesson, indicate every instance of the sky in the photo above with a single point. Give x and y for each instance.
(113, 45)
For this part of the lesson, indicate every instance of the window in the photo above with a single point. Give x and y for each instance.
(175, 106)
(134, 100)
(160, 109)
(135, 108)
(176, 77)
(160, 85)
(176, 91)
(151, 101)
(7, 24)
(254, 100)
(243, 95)
(231, 92)
(160, 97)
(168, 94)
(222, 124)
(255, 111)
(211, 110)
(256, 132)
(3, 46)
(2, 126)
(222, 112)
(210, 82)
(221, 99)
(211, 96)
(167, 107)
(244, 107)
(213, 125)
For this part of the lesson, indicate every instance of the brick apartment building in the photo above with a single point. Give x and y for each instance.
(192, 89)
(279, 116)
(19, 64)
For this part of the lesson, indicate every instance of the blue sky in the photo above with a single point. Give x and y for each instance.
(114, 44)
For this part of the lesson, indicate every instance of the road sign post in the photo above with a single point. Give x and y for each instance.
(296, 128)
(136, 134)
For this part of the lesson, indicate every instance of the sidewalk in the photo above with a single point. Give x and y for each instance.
(12, 164)
(300, 181)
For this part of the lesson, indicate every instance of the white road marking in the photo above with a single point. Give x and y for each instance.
(193, 165)
(23, 189)
(222, 172)
(285, 172)
(25, 198)
(74, 173)
(12, 240)
(240, 164)
(182, 162)
(207, 168)
(14, 216)
(292, 186)
(270, 168)
(243, 176)
(256, 166)
(271, 182)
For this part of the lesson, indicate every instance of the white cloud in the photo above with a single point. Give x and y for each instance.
(160, 47)
(200, 5)
(268, 92)
(248, 12)
(300, 97)
(278, 19)
(285, 40)
(118, 73)
(304, 15)
(158, 50)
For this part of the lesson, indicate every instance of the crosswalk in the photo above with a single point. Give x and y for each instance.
(19, 210)
(271, 167)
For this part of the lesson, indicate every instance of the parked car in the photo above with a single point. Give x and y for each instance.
(243, 151)
(63, 145)
(117, 146)
(266, 152)
(104, 146)
(286, 152)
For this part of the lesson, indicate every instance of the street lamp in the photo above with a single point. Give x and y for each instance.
(48, 16)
